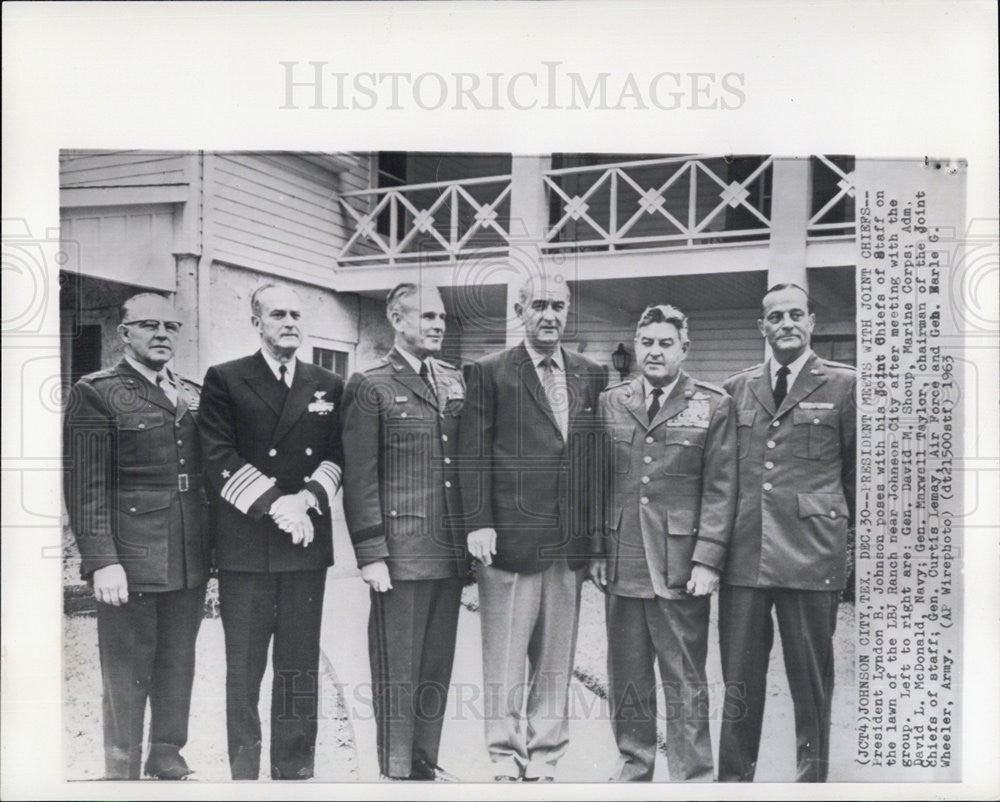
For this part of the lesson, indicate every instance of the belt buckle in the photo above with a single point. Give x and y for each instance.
(182, 482)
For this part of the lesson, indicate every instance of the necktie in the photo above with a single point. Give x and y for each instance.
(555, 394)
(282, 378)
(781, 386)
(425, 374)
(654, 407)
(167, 387)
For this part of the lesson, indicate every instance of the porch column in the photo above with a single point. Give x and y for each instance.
(790, 198)
(186, 358)
(529, 217)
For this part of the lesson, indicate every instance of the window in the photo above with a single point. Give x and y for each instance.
(391, 173)
(836, 347)
(331, 360)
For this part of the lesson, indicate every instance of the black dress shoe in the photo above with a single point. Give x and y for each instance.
(165, 763)
(505, 778)
(539, 779)
(422, 770)
(385, 778)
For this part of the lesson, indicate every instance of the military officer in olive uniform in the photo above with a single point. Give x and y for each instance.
(400, 496)
(270, 430)
(136, 506)
(795, 424)
(670, 500)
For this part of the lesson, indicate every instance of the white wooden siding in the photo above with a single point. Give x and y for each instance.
(81, 168)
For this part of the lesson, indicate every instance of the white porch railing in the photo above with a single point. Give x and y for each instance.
(680, 201)
(835, 217)
(437, 220)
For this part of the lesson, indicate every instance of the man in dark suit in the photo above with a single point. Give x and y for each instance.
(795, 426)
(136, 507)
(525, 440)
(670, 500)
(270, 430)
(401, 501)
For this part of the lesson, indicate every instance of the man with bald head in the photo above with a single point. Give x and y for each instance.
(137, 509)
(400, 501)
(270, 429)
(524, 435)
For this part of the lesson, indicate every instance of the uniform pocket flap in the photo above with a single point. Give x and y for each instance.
(680, 521)
(829, 505)
(694, 438)
(140, 502)
(746, 417)
(624, 434)
(614, 519)
(815, 417)
(140, 421)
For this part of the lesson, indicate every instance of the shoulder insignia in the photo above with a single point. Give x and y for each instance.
(615, 386)
(712, 388)
(444, 364)
(841, 365)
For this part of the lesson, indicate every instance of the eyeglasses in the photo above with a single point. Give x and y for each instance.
(153, 326)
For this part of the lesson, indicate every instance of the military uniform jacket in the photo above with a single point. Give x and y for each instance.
(796, 478)
(133, 483)
(261, 441)
(401, 494)
(670, 482)
(520, 476)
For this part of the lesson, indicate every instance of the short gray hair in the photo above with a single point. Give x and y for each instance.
(255, 296)
(528, 285)
(397, 295)
(126, 306)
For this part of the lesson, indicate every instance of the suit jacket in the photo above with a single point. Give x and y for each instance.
(519, 475)
(796, 478)
(261, 442)
(672, 482)
(133, 483)
(401, 496)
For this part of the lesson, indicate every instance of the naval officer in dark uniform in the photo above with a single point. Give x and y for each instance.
(137, 509)
(400, 498)
(270, 431)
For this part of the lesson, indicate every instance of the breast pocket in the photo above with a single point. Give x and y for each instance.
(683, 450)
(623, 437)
(745, 419)
(142, 440)
(816, 433)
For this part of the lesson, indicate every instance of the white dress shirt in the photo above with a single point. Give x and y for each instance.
(794, 368)
(275, 367)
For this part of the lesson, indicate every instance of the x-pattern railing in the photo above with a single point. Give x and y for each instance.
(429, 227)
(693, 229)
(829, 220)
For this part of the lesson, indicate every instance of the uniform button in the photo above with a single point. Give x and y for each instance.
(645, 480)
(444, 438)
(447, 483)
(833, 513)
(177, 424)
(644, 500)
(273, 452)
(768, 485)
(815, 420)
(131, 509)
(181, 460)
(647, 459)
(649, 440)
(305, 478)
(447, 460)
(142, 425)
(769, 464)
(403, 415)
(687, 442)
(309, 452)
(392, 513)
(180, 442)
(827, 581)
(776, 423)
(770, 443)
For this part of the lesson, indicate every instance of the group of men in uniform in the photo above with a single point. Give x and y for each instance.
(660, 488)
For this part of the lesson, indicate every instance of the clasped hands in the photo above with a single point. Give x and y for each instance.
(291, 513)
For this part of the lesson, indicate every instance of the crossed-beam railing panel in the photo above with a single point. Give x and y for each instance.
(439, 219)
(671, 202)
(832, 197)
